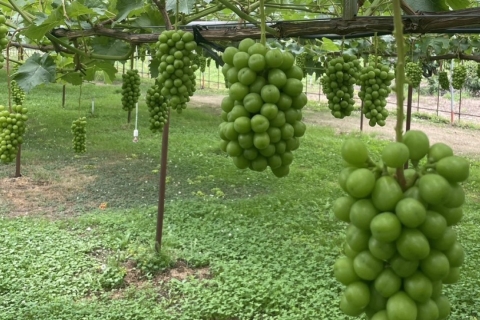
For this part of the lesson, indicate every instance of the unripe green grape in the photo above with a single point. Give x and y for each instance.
(79, 132)
(443, 80)
(12, 128)
(414, 74)
(157, 107)
(459, 76)
(130, 89)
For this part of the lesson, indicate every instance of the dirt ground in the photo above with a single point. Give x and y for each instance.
(463, 141)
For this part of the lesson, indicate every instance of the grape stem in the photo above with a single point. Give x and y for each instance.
(399, 80)
(263, 23)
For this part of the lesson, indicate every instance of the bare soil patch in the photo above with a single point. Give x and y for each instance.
(25, 196)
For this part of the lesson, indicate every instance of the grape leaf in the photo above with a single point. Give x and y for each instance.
(109, 46)
(428, 5)
(124, 7)
(36, 70)
(458, 4)
(153, 67)
(73, 78)
(329, 46)
(41, 26)
(77, 9)
(184, 6)
(107, 67)
(99, 6)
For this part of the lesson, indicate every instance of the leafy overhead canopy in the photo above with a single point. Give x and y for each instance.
(109, 46)
(36, 70)
(184, 6)
(124, 8)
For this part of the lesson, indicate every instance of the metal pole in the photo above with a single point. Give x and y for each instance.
(451, 94)
(460, 106)
(17, 162)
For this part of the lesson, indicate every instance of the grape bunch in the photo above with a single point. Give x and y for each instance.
(262, 112)
(158, 108)
(401, 245)
(130, 89)
(443, 80)
(337, 84)
(176, 71)
(17, 93)
(301, 61)
(414, 74)
(375, 80)
(3, 38)
(459, 76)
(12, 128)
(79, 131)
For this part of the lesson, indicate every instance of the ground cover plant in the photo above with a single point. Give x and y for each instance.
(238, 244)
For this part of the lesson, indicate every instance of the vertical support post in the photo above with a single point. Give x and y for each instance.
(350, 8)
(409, 107)
(18, 163)
(64, 89)
(361, 116)
(460, 106)
(451, 94)
(162, 186)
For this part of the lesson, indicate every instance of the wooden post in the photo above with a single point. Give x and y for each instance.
(350, 8)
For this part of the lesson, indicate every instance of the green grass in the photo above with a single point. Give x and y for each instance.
(269, 243)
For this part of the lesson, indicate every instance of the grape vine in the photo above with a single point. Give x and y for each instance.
(262, 112)
(12, 128)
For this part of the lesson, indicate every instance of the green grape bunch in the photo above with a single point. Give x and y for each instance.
(338, 84)
(176, 71)
(130, 89)
(443, 80)
(301, 61)
(262, 114)
(414, 74)
(79, 131)
(12, 128)
(157, 107)
(401, 246)
(375, 83)
(17, 93)
(459, 76)
(3, 38)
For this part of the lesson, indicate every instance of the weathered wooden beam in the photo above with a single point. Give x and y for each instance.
(420, 24)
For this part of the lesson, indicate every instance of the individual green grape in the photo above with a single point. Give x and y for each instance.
(400, 248)
(459, 76)
(338, 84)
(175, 49)
(443, 80)
(262, 114)
(375, 80)
(130, 89)
(79, 131)
(17, 93)
(414, 74)
(157, 107)
(12, 128)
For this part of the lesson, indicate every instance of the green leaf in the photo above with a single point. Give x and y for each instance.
(428, 5)
(184, 6)
(96, 5)
(153, 67)
(108, 69)
(41, 26)
(74, 78)
(124, 7)
(77, 9)
(458, 4)
(109, 46)
(329, 46)
(36, 70)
